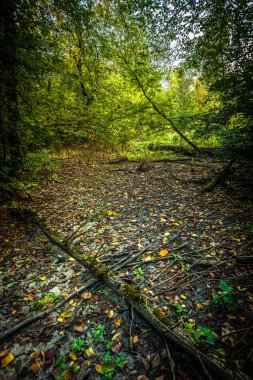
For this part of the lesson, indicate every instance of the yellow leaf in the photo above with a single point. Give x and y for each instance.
(110, 213)
(60, 319)
(183, 297)
(104, 368)
(73, 356)
(199, 306)
(43, 278)
(72, 259)
(7, 359)
(164, 252)
(89, 352)
(115, 336)
(111, 314)
(118, 322)
(66, 315)
(149, 257)
(135, 339)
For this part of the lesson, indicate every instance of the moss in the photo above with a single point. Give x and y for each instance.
(132, 294)
(160, 316)
(101, 272)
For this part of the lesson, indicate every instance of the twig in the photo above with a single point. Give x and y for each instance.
(131, 325)
(82, 225)
(170, 360)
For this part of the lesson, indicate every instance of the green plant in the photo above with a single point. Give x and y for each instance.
(62, 376)
(107, 358)
(179, 308)
(60, 361)
(109, 345)
(138, 272)
(99, 332)
(226, 297)
(78, 345)
(120, 359)
(201, 331)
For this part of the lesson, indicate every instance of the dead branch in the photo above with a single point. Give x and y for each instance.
(142, 305)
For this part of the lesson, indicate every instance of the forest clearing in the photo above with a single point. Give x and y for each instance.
(126, 153)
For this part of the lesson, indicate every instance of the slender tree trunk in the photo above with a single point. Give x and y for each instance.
(10, 116)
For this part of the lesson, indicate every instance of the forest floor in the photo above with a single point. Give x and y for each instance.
(189, 252)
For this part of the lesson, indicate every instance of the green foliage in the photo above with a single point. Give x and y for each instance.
(79, 345)
(226, 298)
(138, 272)
(201, 332)
(99, 333)
(178, 308)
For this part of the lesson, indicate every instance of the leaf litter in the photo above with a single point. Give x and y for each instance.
(190, 243)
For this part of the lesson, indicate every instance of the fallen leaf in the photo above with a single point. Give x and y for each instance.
(135, 339)
(142, 377)
(116, 349)
(60, 319)
(43, 278)
(110, 213)
(78, 328)
(164, 252)
(7, 359)
(199, 306)
(4, 352)
(35, 367)
(87, 295)
(89, 352)
(73, 356)
(104, 368)
(115, 336)
(183, 297)
(118, 322)
(66, 315)
(111, 314)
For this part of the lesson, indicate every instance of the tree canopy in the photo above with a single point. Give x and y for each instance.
(76, 72)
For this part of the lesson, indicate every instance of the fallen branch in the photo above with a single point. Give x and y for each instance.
(144, 307)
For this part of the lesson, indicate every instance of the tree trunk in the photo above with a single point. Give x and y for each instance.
(10, 117)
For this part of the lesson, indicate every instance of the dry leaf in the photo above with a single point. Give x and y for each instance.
(43, 278)
(164, 252)
(142, 377)
(115, 336)
(87, 295)
(135, 339)
(35, 367)
(111, 314)
(118, 322)
(78, 328)
(60, 319)
(7, 359)
(116, 348)
(89, 352)
(183, 297)
(4, 352)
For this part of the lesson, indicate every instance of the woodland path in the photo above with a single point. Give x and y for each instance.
(187, 247)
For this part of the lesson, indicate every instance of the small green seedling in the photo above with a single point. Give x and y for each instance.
(179, 309)
(107, 358)
(99, 333)
(120, 361)
(60, 361)
(138, 272)
(78, 345)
